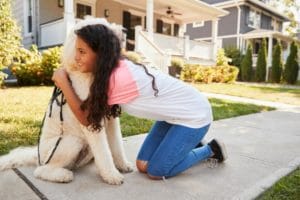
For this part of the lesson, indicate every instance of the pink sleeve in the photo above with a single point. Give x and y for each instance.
(122, 86)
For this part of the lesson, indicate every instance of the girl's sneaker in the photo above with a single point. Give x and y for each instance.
(218, 148)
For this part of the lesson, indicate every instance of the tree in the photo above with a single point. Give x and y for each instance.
(9, 34)
(260, 73)
(246, 65)
(291, 67)
(276, 64)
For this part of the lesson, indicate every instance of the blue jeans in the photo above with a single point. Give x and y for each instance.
(170, 149)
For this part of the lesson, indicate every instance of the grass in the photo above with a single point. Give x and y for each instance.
(275, 94)
(287, 188)
(22, 110)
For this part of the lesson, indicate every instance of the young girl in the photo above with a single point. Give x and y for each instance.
(183, 115)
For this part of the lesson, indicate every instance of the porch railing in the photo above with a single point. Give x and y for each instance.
(151, 51)
(52, 33)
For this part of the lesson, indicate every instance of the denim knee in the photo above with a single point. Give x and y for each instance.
(157, 170)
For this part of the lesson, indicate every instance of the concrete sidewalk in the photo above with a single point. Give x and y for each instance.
(262, 148)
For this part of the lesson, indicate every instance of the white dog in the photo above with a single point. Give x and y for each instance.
(77, 145)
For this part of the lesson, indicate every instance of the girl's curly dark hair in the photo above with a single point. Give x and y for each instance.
(103, 41)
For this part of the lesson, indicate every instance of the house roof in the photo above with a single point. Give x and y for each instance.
(186, 11)
(262, 33)
(260, 4)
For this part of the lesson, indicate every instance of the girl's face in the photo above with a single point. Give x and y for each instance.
(85, 57)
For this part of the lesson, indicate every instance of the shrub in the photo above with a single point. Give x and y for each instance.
(246, 65)
(276, 64)
(2, 77)
(291, 67)
(221, 58)
(219, 74)
(261, 65)
(51, 60)
(133, 56)
(32, 68)
(236, 58)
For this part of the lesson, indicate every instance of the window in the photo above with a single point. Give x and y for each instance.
(167, 28)
(83, 10)
(198, 24)
(254, 19)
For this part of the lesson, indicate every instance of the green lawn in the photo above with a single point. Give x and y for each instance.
(22, 110)
(276, 93)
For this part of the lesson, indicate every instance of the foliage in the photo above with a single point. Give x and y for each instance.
(291, 67)
(276, 63)
(177, 62)
(9, 34)
(246, 65)
(221, 58)
(236, 57)
(32, 68)
(133, 56)
(219, 74)
(2, 77)
(261, 65)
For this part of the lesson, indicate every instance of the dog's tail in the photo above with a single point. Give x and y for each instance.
(22, 156)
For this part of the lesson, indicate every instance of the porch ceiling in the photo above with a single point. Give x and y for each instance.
(190, 10)
(261, 33)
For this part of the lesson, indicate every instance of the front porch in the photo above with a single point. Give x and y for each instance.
(162, 23)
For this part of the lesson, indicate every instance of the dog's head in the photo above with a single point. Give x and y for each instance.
(68, 54)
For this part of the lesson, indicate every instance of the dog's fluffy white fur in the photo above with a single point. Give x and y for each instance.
(78, 144)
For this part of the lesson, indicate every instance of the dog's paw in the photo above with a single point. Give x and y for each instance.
(125, 167)
(59, 175)
(115, 178)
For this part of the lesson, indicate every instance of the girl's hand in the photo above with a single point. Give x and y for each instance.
(60, 78)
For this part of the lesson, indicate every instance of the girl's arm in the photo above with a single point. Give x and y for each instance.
(61, 80)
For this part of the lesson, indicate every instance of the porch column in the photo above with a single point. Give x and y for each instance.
(69, 19)
(214, 32)
(270, 48)
(186, 47)
(149, 17)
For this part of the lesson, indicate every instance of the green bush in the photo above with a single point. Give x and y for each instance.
(32, 68)
(221, 58)
(133, 56)
(246, 65)
(50, 62)
(2, 77)
(219, 74)
(276, 64)
(236, 58)
(261, 65)
(291, 68)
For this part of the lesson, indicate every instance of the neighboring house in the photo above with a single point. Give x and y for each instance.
(248, 21)
(155, 28)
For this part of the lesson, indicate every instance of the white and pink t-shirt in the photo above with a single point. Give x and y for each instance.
(176, 103)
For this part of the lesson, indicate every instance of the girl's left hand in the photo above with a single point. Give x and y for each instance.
(60, 78)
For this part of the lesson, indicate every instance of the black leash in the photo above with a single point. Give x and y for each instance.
(54, 98)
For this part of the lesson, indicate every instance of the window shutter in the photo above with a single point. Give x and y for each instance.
(159, 26)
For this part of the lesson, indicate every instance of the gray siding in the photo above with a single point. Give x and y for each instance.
(229, 42)
(228, 23)
(199, 32)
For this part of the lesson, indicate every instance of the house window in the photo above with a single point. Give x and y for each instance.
(83, 10)
(198, 24)
(28, 17)
(167, 28)
(254, 19)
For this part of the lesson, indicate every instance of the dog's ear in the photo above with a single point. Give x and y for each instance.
(68, 53)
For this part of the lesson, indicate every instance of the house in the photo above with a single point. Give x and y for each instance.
(155, 28)
(248, 21)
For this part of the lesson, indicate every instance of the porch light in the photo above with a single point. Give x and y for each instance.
(60, 3)
(106, 13)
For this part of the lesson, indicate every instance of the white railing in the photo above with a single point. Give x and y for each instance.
(52, 33)
(170, 44)
(152, 52)
(201, 49)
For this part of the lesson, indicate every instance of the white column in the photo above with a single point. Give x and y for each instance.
(186, 47)
(270, 48)
(137, 30)
(69, 18)
(214, 33)
(149, 18)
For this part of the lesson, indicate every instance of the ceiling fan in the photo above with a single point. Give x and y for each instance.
(171, 13)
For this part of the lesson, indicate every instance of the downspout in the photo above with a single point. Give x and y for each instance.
(37, 22)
